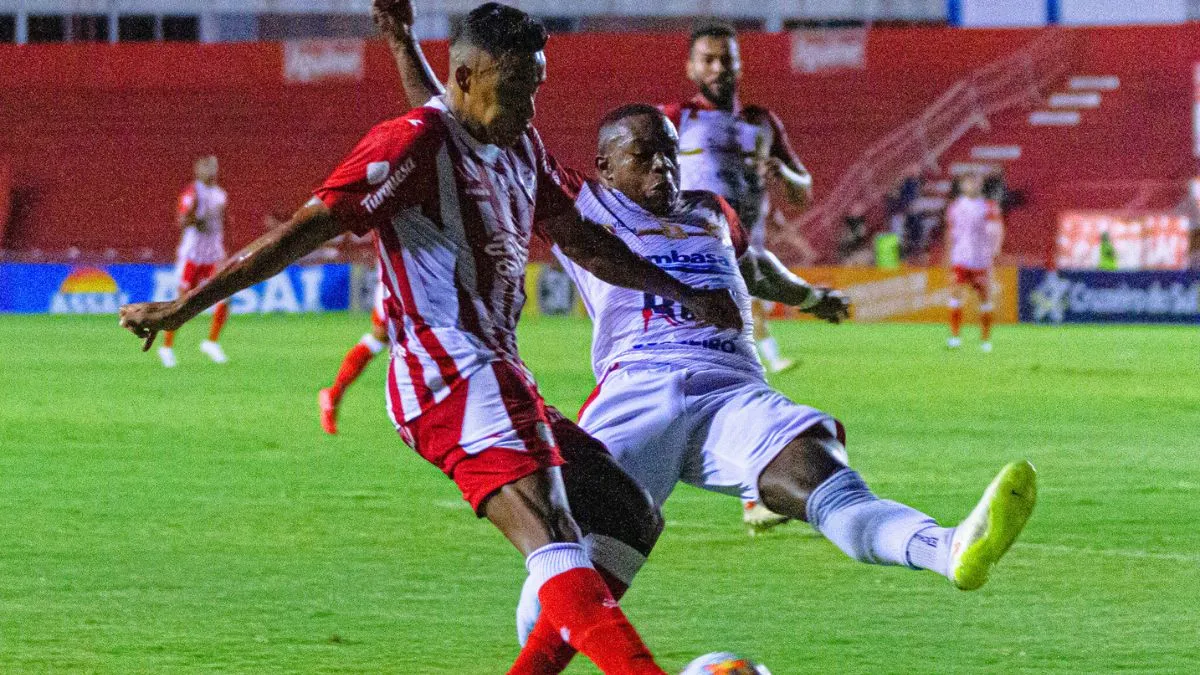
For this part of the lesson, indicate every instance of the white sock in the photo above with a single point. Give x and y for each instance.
(543, 564)
(929, 549)
(770, 349)
(863, 526)
(372, 344)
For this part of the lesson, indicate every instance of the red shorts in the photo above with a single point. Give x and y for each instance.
(493, 429)
(980, 280)
(195, 274)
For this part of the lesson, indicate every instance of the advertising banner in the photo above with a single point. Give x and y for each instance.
(829, 50)
(38, 288)
(1109, 297)
(907, 294)
(309, 61)
(1146, 241)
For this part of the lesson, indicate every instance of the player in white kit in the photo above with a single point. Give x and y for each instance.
(975, 233)
(201, 215)
(677, 401)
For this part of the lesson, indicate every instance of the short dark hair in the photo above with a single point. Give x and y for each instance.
(713, 29)
(499, 29)
(619, 114)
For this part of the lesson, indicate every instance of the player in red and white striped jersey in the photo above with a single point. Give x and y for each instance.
(452, 190)
(201, 215)
(974, 234)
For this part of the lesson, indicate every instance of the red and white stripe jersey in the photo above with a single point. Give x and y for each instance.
(974, 229)
(207, 203)
(454, 218)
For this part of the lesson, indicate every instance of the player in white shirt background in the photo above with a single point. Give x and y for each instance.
(201, 216)
(975, 233)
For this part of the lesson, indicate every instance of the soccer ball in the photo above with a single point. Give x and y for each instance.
(724, 663)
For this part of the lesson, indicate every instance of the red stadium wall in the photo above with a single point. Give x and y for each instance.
(101, 137)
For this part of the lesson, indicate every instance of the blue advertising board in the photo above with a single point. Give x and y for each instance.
(1109, 297)
(37, 288)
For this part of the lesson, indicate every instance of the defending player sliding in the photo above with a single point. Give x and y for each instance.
(453, 190)
(681, 401)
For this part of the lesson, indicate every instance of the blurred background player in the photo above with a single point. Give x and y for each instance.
(355, 362)
(202, 218)
(732, 150)
(976, 232)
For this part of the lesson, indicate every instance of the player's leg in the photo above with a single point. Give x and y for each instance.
(355, 361)
(188, 277)
(614, 491)
(211, 347)
(811, 480)
(955, 304)
(492, 435)
(983, 287)
(768, 347)
(793, 458)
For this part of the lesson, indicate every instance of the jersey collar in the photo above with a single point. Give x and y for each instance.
(486, 151)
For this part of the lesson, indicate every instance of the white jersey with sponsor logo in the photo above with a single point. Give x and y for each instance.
(974, 227)
(454, 218)
(207, 203)
(699, 245)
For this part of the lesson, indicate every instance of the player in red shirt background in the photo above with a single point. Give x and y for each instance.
(201, 216)
(975, 233)
(452, 190)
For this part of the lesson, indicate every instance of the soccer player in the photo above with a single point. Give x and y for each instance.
(201, 216)
(975, 232)
(679, 401)
(355, 362)
(452, 190)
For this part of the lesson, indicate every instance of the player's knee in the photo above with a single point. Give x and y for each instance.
(809, 460)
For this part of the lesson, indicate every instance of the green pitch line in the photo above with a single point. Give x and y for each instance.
(197, 520)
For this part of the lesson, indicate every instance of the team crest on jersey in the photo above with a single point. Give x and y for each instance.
(377, 172)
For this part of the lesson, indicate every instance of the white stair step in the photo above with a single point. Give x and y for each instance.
(1081, 99)
(1054, 118)
(996, 152)
(960, 168)
(1095, 82)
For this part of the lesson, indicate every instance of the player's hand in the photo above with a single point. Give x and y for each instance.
(394, 18)
(714, 306)
(146, 319)
(832, 306)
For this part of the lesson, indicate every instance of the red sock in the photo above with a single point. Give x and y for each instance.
(955, 320)
(578, 603)
(352, 366)
(985, 325)
(218, 322)
(546, 647)
(169, 339)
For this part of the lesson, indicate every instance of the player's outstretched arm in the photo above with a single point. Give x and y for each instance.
(394, 18)
(267, 256)
(767, 278)
(602, 253)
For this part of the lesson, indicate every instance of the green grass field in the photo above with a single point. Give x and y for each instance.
(197, 520)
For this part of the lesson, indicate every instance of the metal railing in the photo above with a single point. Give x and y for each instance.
(1021, 78)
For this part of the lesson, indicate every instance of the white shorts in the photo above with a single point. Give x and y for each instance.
(712, 427)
